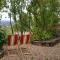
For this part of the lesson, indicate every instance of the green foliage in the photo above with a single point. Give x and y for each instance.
(13, 10)
(2, 37)
(2, 3)
(16, 9)
(41, 35)
(3, 33)
(45, 18)
(24, 22)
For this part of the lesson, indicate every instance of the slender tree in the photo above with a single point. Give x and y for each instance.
(24, 18)
(17, 7)
(11, 24)
(14, 11)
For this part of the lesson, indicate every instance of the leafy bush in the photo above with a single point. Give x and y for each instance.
(3, 36)
(41, 35)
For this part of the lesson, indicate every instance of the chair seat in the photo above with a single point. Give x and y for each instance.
(12, 47)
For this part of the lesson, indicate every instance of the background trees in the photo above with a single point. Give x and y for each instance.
(45, 18)
(21, 18)
(13, 9)
(2, 3)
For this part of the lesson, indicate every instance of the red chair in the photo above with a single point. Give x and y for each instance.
(12, 46)
(25, 43)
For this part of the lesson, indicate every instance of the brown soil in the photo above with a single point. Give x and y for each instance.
(39, 53)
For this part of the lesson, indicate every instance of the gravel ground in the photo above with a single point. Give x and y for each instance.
(39, 53)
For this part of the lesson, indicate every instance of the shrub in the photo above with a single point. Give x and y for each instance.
(41, 35)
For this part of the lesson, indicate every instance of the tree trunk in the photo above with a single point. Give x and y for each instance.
(11, 25)
(15, 22)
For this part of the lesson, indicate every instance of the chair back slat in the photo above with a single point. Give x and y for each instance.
(15, 39)
(21, 39)
(28, 39)
(9, 38)
(25, 38)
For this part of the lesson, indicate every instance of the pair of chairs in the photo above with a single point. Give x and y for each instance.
(15, 42)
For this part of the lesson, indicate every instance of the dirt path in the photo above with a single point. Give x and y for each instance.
(50, 53)
(41, 53)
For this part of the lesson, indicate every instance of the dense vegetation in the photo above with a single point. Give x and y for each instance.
(40, 18)
(45, 17)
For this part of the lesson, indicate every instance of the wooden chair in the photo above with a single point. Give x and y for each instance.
(25, 42)
(12, 45)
